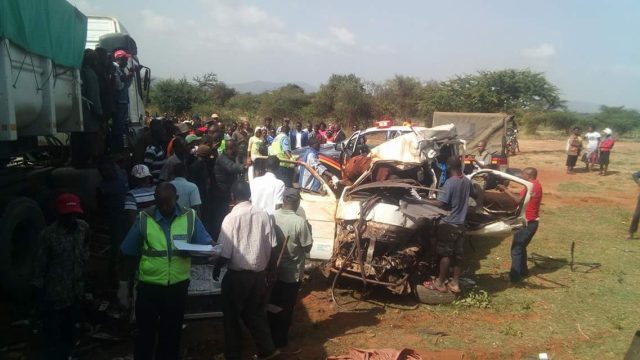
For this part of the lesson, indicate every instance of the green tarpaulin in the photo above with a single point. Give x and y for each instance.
(51, 28)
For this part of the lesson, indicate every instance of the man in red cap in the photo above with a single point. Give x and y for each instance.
(59, 273)
(123, 78)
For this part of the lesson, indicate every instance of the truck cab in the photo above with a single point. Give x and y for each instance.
(109, 33)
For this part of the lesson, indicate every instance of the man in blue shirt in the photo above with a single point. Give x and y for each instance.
(163, 272)
(449, 234)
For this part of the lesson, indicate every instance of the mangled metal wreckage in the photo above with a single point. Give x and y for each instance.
(386, 221)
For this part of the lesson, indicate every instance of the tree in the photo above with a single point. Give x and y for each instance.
(343, 98)
(618, 118)
(175, 96)
(507, 91)
(287, 101)
(247, 105)
(397, 97)
(217, 91)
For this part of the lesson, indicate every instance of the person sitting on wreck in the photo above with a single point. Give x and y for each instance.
(450, 231)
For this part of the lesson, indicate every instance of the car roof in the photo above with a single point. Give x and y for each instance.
(394, 128)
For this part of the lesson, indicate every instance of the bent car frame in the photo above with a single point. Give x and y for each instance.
(381, 230)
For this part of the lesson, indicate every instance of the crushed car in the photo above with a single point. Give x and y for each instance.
(380, 230)
(334, 156)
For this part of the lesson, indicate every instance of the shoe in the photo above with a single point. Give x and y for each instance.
(290, 350)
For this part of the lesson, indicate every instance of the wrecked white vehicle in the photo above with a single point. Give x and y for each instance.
(381, 229)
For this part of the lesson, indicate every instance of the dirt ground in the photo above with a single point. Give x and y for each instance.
(585, 313)
(578, 304)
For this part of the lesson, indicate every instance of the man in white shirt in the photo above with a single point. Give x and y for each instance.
(298, 137)
(267, 190)
(247, 238)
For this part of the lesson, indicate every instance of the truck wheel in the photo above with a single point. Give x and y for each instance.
(20, 226)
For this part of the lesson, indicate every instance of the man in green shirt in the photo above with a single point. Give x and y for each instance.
(295, 231)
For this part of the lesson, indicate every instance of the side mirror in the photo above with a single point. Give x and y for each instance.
(146, 83)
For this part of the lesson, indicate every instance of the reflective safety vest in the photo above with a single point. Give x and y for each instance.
(162, 265)
(276, 149)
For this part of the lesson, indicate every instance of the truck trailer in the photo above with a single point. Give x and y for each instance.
(41, 51)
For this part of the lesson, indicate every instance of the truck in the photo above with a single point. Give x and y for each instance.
(42, 45)
(490, 128)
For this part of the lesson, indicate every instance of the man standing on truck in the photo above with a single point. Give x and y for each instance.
(59, 273)
(450, 231)
(482, 156)
(123, 78)
(523, 237)
(163, 272)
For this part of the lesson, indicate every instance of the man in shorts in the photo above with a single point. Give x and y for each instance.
(450, 231)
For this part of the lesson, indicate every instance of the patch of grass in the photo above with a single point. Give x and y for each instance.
(510, 331)
(574, 186)
(475, 298)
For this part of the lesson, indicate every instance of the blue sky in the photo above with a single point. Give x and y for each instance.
(589, 49)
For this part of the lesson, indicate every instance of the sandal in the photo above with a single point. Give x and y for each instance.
(431, 285)
(454, 288)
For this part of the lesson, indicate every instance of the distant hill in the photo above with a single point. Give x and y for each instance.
(258, 87)
(583, 106)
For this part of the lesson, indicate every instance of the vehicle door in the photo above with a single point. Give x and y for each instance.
(493, 213)
(319, 208)
(349, 147)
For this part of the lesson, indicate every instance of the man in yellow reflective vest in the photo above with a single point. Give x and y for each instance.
(281, 147)
(163, 272)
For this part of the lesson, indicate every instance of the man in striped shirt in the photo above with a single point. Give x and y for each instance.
(142, 195)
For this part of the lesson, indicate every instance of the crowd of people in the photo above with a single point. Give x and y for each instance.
(596, 152)
(180, 187)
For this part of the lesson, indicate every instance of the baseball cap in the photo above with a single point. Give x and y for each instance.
(607, 131)
(183, 127)
(120, 54)
(291, 193)
(68, 203)
(191, 138)
(140, 171)
(203, 150)
(214, 116)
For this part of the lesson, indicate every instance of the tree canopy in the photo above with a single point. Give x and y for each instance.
(492, 91)
(344, 99)
(349, 99)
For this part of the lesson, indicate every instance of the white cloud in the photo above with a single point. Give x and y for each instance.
(85, 6)
(234, 28)
(227, 13)
(156, 22)
(544, 51)
(343, 35)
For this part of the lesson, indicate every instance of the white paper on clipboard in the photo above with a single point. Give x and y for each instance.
(185, 246)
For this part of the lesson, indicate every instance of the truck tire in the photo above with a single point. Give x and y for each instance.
(20, 227)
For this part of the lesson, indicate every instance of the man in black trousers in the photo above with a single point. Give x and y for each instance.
(294, 233)
(247, 239)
